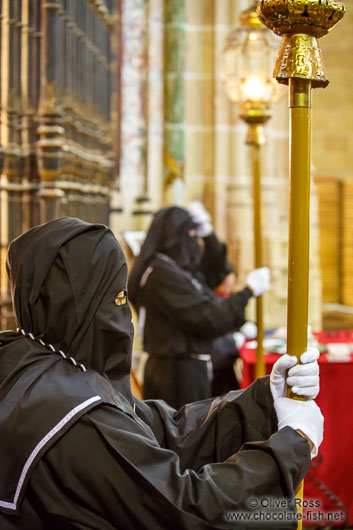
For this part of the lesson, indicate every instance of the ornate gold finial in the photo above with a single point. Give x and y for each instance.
(311, 17)
(300, 23)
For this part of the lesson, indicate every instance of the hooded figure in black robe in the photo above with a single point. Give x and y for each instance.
(77, 450)
(180, 314)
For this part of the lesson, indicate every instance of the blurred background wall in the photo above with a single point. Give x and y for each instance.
(111, 109)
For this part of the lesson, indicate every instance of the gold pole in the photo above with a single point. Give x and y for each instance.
(299, 217)
(260, 370)
(255, 139)
(299, 64)
(299, 229)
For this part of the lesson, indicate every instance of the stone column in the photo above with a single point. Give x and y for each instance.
(155, 103)
(133, 135)
(174, 106)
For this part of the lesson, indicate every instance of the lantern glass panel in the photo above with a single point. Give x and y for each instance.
(248, 60)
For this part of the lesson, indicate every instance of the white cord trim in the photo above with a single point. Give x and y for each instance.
(51, 347)
(43, 443)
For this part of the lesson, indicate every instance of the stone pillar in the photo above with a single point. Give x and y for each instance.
(134, 123)
(155, 102)
(174, 106)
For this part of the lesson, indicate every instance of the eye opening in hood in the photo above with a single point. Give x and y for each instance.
(121, 298)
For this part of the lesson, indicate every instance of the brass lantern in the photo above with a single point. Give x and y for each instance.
(248, 59)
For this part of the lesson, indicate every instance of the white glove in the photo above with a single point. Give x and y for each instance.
(303, 378)
(258, 280)
(301, 415)
(250, 330)
(239, 339)
(201, 217)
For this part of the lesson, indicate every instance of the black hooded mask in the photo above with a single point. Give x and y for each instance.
(72, 350)
(168, 235)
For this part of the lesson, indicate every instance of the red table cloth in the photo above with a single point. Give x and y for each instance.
(330, 478)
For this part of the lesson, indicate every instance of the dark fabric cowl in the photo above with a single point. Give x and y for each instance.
(169, 235)
(65, 276)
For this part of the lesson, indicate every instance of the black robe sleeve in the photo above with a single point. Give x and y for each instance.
(110, 471)
(213, 429)
(192, 309)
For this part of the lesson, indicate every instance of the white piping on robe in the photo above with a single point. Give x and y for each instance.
(142, 311)
(41, 444)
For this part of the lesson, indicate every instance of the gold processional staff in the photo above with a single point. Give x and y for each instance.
(299, 65)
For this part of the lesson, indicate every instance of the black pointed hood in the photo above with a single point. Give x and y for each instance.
(65, 276)
(73, 348)
(168, 234)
